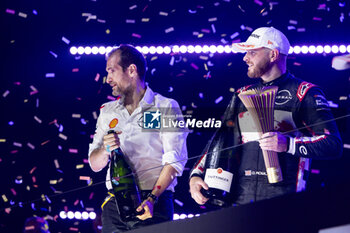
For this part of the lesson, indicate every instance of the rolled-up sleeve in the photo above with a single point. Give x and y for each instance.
(174, 142)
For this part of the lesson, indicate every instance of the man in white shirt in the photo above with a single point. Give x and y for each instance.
(156, 156)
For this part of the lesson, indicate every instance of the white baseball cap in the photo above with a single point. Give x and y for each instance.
(267, 37)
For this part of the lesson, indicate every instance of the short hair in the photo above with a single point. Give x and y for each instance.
(128, 55)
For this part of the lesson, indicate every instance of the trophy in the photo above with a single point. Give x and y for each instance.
(260, 104)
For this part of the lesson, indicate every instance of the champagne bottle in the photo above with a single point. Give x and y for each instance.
(124, 185)
(221, 163)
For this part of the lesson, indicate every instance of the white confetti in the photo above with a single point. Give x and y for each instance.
(132, 7)
(37, 119)
(57, 165)
(31, 146)
(33, 88)
(64, 137)
(23, 15)
(169, 30)
(347, 146)
(163, 13)
(75, 115)
(212, 19)
(94, 114)
(293, 22)
(17, 144)
(130, 21)
(5, 93)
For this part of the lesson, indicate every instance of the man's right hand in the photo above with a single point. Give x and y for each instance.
(111, 141)
(196, 184)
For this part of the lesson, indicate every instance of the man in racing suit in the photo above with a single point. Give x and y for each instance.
(304, 126)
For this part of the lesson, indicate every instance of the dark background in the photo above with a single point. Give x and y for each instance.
(25, 48)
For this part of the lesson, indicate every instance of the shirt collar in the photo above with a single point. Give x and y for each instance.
(148, 97)
(275, 81)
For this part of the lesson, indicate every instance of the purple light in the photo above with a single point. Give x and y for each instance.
(145, 50)
(152, 50)
(197, 49)
(11, 122)
(304, 49)
(167, 50)
(297, 49)
(160, 50)
(35, 12)
(176, 49)
(312, 49)
(335, 49)
(73, 50)
(80, 50)
(342, 48)
(319, 49)
(94, 50)
(212, 49)
(183, 49)
(87, 50)
(327, 49)
(102, 50)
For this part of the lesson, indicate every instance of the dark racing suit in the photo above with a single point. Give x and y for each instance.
(302, 112)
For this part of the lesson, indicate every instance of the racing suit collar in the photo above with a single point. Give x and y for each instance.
(276, 81)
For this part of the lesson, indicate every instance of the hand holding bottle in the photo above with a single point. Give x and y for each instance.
(111, 141)
(196, 184)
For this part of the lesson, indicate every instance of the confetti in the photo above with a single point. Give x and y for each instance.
(50, 75)
(31, 146)
(17, 144)
(346, 146)
(136, 35)
(234, 35)
(53, 54)
(130, 21)
(163, 13)
(258, 2)
(212, 19)
(74, 151)
(315, 171)
(169, 30)
(178, 202)
(84, 178)
(79, 166)
(9, 11)
(37, 119)
(218, 100)
(4, 198)
(213, 28)
(194, 66)
(75, 115)
(27, 228)
(64, 137)
(23, 15)
(75, 70)
(145, 20)
(5, 93)
(133, 7)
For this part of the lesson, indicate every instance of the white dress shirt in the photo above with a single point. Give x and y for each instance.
(146, 150)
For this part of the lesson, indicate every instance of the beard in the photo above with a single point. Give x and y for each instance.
(260, 68)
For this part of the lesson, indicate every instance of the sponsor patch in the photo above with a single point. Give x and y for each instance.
(303, 89)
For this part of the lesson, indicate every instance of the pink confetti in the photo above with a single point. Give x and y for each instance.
(9, 11)
(30, 228)
(8, 210)
(317, 19)
(136, 35)
(17, 83)
(33, 179)
(85, 160)
(144, 9)
(315, 171)
(97, 77)
(75, 70)
(84, 178)
(73, 229)
(194, 66)
(205, 30)
(75, 151)
(111, 97)
(76, 202)
(91, 195)
(258, 2)
(13, 192)
(33, 169)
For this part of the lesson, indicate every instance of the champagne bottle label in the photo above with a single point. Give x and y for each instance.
(218, 178)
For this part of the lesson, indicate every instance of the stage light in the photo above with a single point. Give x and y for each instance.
(145, 50)
(212, 49)
(205, 48)
(296, 49)
(167, 50)
(159, 49)
(342, 48)
(228, 49)
(312, 49)
(109, 49)
(63, 215)
(183, 49)
(190, 49)
(152, 50)
(102, 50)
(70, 215)
(176, 49)
(348, 48)
(290, 51)
(190, 216)
(319, 49)
(73, 50)
(85, 215)
(304, 49)
(94, 50)
(183, 216)
(220, 49)
(139, 49)
(87, 50)
(327, 49)
(92, 215)
(80, 50)
(77, 215)
(197, 49)
(176, 217)
(335, 49)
